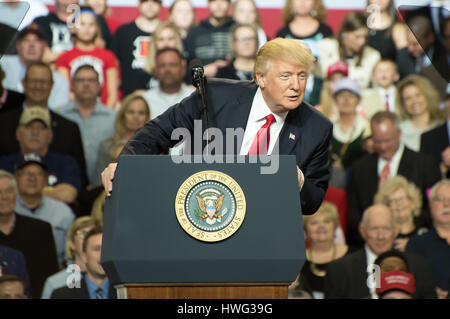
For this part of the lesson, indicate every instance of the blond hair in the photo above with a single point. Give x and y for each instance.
(328, 210)
(119, 124)
(280, 49)
(151, 58)
(319, 9)
(79, 223)
(393, 184)
(426, 88)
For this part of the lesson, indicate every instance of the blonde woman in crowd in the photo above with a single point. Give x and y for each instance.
(419, 111)
(320, 230)
(404, 200)
(133, 113)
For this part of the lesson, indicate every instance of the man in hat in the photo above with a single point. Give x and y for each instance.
(32, 178)
(396, 284)
(31, 236)
(30, 48)
(38, 82)
(35, 135)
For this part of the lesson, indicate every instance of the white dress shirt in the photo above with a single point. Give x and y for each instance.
(391, 93)
(256, 120)
(370, 258)
(395, 162)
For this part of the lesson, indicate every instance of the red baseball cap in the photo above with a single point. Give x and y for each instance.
(338, 66)
(397, 280)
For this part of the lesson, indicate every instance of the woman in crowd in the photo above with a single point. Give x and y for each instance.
(74, 247)
(405, 202)
(86, 51)
(351, 47)
(101, 8)
(182, 15)
(419, 111)
(349, 126)
(305, 20)
(246, 12)
(320, 230)
(133, 113)
(243, 45)
(165, 36)
(387, 34)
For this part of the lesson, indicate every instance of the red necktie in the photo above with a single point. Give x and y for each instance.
(387, 102)
(385, 173)
(261, 142)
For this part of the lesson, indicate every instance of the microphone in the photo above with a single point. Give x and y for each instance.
(197, 73)
(199, 81)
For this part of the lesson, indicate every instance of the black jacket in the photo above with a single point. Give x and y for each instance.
(306, 133)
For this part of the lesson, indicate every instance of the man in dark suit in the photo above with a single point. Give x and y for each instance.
(350, 276)
(94, 284)
(38, 83)
(423, 49)
(273, 106)
(436, 142)
(390, 158)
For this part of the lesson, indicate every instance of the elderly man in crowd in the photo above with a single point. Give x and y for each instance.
(434, 245)
(31, 236)
(352, 276)
(390, 158)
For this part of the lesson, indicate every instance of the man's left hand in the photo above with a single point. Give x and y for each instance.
(300, 178)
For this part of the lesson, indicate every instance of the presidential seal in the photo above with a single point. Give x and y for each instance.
(210, 206)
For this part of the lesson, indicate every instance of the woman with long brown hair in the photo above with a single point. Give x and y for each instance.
(350, 46)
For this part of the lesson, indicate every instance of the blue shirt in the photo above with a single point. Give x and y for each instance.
(94, 129)
(92, 288)
(57, 214)
(60, 168)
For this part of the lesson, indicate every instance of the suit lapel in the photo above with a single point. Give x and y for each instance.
(290, 133)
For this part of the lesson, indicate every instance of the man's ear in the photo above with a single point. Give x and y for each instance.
(260, 80)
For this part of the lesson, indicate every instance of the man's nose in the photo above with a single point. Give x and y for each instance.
(295, 83)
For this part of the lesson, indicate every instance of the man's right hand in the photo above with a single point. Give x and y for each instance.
(107, 177)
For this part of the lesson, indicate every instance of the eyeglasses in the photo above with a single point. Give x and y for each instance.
(245, 39)
(88, 80)
(398, 200)
(39, 81)
(441, 199)
(31, 174)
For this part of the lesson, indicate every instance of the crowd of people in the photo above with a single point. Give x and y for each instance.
(72, 96)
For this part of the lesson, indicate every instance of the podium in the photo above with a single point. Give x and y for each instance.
(147, 249)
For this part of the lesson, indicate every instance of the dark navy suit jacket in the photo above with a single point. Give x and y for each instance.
(306, 133)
